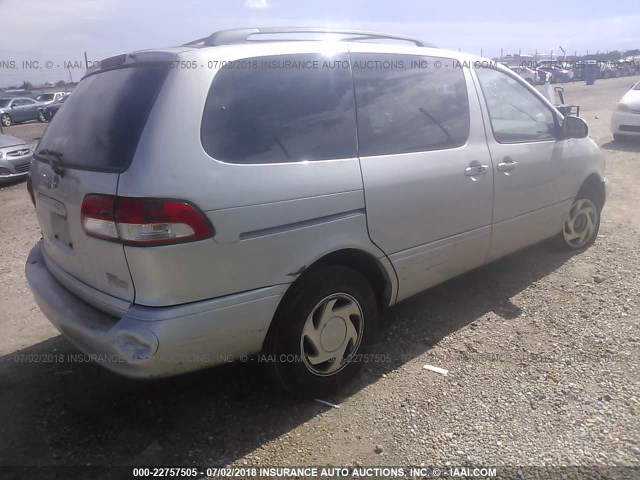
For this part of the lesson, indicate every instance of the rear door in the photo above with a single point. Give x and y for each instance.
(93, 139)
(30, 109)
(425, 165)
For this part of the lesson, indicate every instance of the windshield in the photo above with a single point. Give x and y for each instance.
(636, 86)
(100, 125)
(4, 102)
(45, 97)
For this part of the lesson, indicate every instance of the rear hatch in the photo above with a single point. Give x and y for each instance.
(91, 140)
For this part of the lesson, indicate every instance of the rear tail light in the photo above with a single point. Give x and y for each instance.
(143, 221)
(30, 189)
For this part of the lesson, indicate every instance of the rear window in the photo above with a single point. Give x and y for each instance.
(285, 108)
(101, 122)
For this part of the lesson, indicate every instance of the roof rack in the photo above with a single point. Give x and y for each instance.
(228, 37)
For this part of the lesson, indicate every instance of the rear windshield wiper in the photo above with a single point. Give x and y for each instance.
(56, 165)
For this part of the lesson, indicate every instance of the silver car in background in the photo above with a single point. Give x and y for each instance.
(307, 185)
(15, 159)
(529, 74)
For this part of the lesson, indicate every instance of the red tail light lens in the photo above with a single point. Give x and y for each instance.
(143, 221)
(98, 216)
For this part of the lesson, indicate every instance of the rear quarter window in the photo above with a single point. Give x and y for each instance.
(284, 108)
(101, 122)
(408, 103)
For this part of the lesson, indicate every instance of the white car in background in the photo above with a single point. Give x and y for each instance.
(528, 74)
(47, 98)
(625, 120)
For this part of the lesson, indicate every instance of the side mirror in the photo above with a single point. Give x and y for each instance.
(574, 127)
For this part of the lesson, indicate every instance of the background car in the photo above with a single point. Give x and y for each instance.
(543, 76)
(15, 158)
(48, 98)
(20, 109)
(608, 70)
(558, 74)
(51, 109)
(625, 121)
(528, 74)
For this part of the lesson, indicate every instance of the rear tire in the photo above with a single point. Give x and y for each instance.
(580, 227)
(41, 117)
(320, 332)
(6, 120)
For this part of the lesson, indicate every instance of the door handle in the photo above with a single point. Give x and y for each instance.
(507, 165)
(474, 170)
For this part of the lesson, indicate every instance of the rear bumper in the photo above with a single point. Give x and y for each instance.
(161, 341)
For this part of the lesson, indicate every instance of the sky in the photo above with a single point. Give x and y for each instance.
(62, 30)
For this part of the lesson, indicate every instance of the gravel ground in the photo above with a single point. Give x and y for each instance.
(542, 351)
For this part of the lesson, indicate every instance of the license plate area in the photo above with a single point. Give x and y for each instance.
(60, 229)
(58, 226)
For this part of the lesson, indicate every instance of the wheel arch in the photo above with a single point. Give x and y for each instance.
(364, 263)
(359, 260)
(593, 184)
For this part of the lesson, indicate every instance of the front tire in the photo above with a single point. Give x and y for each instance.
(581, 226)
(6, 120)
(320, 332)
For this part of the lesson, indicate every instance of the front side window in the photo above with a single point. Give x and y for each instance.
(284, 108)
(405, 103)
(516, 114)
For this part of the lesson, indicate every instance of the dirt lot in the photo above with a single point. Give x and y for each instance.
(542, 351)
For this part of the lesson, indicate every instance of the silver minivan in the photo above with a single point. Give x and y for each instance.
(260, 193)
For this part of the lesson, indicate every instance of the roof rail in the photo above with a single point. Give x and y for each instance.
(228, 37)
